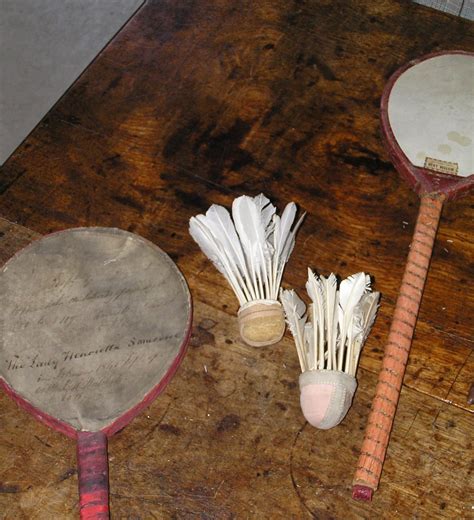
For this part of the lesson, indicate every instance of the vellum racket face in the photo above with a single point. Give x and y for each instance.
(428, 122)
(94, 324)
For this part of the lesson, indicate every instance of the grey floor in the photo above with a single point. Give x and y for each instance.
(44, 46)
(463, 8)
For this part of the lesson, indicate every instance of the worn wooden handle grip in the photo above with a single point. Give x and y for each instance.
(93, 475)
(384, 405)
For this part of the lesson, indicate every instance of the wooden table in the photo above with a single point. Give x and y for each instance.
(195, 103)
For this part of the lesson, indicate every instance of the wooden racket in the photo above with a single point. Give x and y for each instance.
(95, 322)
(427, 114)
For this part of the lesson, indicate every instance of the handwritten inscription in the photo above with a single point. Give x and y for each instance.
(61, 310)
(18, 363)
(87, 334)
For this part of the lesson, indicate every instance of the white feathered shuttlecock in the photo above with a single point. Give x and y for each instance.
(251, 250)
(329, 338)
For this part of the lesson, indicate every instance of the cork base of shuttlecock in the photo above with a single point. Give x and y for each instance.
(261, 322)
(326, 396)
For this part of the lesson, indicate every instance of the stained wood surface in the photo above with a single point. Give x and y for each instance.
(196, 103)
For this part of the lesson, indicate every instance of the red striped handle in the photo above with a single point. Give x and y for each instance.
(387, 393)
(93, 475)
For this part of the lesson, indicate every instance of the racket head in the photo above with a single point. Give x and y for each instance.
(95, 322)
(427, 119)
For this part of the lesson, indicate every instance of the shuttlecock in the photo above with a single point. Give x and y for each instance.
(251, 250)
(329, 338)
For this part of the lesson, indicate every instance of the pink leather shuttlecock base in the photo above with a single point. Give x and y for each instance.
(326, 396)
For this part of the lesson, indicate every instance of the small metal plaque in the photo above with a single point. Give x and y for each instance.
(91, 320)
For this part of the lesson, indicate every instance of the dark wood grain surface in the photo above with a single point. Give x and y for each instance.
(195, 103)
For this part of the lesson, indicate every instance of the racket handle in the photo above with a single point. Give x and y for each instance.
(397, 349)
(93, 475)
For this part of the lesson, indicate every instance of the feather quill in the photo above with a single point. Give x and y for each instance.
(218, 221)
(315, 292)
(295, 311)
(285, 242)
(248, 223)
(350, 292)
(267, 210)
(216, 254)
(331, 299)
(287, 218)
(339, 321)
(364, 317)
(308, 344)
(369, 306)
(288, 240)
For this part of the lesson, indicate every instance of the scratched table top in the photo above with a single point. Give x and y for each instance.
(197, 103)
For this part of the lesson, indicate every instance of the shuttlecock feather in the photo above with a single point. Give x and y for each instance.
(295, 310)
(329, 343)
(250, 249)
(214, 251)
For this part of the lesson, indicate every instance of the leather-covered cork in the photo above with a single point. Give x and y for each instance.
(261, 322)
(326, 396)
